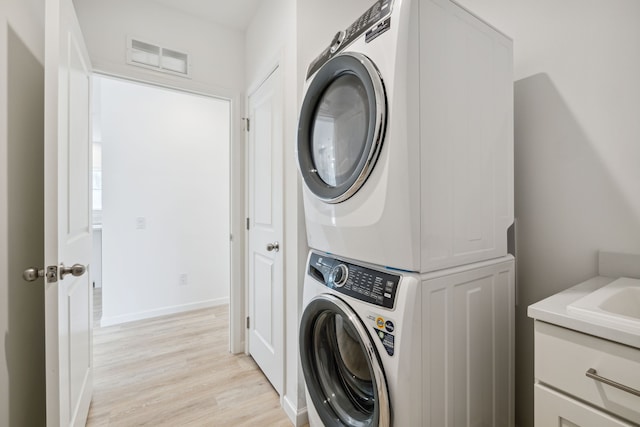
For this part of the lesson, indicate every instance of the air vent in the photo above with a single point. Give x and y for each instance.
(151, 56)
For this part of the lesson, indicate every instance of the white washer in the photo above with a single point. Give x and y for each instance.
(381, 348)
(405, 138)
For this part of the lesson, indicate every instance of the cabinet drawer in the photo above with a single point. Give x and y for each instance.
(562, 358)
(556, 409)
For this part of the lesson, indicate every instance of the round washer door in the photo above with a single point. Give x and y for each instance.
(341, 127)
(341, 366)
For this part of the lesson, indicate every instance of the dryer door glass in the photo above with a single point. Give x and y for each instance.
(341, 366)
(341, 128)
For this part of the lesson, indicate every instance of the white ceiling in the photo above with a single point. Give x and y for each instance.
(231, 13)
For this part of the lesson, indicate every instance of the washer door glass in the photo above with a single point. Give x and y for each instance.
(341, 366)
(341, 128)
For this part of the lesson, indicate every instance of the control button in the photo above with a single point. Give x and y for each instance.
(380, 322)
(339, 275)
(387, 295)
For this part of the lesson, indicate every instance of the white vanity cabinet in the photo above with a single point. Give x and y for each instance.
(565, 396)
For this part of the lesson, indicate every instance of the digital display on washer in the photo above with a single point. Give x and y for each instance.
(365, 284)
(379, 11)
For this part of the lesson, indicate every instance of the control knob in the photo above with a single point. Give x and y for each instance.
(337, 41)
(339, 275)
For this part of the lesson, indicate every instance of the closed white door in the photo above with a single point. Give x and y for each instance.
(266, 296)
(68, 297)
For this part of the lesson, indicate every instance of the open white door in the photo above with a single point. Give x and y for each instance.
(266, 293)
(68, 297)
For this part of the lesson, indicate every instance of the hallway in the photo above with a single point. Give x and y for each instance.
(176, 371)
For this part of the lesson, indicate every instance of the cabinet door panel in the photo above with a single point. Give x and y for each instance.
(563, 356)
(556, 409)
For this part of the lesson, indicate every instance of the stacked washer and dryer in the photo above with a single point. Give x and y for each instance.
(405, 146)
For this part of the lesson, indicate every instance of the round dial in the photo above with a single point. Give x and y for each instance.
(337, 41)
(339, 275)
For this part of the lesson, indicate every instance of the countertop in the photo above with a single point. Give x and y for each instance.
(554, 310)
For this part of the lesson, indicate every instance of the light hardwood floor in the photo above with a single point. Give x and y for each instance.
(176, 371)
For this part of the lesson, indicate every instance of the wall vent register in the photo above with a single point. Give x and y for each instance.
(148, 55)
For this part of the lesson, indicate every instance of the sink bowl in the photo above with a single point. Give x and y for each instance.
(625, 302)
(616, 305)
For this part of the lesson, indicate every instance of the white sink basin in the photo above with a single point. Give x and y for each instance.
(616, 305)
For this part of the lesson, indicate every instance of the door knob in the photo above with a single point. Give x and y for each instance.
(75, 270)
(275, 246)
(32, 274)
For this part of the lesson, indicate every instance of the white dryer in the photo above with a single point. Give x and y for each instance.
(405, 138)
(381, 348)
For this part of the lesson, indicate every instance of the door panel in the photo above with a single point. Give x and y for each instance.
(68, 300)
(78, 150)
(266, 294)
(79, 341)
(263, 278)
(263, 174)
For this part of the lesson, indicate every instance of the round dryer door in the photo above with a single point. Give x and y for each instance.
(341, 127)
(341, 366)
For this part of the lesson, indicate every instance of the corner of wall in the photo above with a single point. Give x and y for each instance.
(297, 415)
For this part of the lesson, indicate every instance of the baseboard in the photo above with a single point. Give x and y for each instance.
(297, 416)
(131, 317)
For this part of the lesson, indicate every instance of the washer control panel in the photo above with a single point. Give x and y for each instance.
(373, 22)
(366, 284)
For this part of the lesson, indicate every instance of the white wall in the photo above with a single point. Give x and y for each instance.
(165, 200)
(22, 391)
(216, 52)
(577, 103)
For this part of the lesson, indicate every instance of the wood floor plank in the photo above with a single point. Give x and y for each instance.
(176, 371)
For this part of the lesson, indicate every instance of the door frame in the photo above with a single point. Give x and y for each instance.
(237, 236)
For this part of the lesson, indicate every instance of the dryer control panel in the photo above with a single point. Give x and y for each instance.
(377, 14)
(363, 283)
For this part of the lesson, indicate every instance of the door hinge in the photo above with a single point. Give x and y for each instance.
(248, 322)
(247, 123)
(247, 223)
